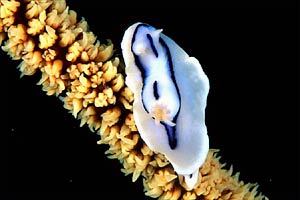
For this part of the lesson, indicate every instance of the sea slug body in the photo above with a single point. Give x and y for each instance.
(170, 92)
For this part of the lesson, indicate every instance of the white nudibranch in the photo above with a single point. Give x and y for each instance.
(170, 92)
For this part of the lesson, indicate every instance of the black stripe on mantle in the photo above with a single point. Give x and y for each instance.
(171, 130)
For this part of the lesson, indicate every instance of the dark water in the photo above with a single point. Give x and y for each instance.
(251, 57)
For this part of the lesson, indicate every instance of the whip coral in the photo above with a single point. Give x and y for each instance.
(87, 77)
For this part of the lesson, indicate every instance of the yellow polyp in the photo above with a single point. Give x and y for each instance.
(109, 93)
(77, 105)
(36, 26)
(100, 101)
(69, 22)
(54, 68)
(142, 162)
(54, 19)
(227, 196)
(154, 192)
(135, 175)
(93, 51)
(126, 141)
(57, 67)
(170, 185)
(159, 179)
(82, 89)
(114, 143)
(189, 195)
(60, 86)
(59, 5)
(13, 49)
(78, 94)
(48, 38)
(73, 72)
(129, 121)
(109, 71)
(17, 33)
(26, 69)
(29, 47)
(91, 95)
(89, 111)
(111, 115)
(49, 54)
(87, 101)
(170, 177)
(125, 150)
(8, 8)
(34, 8)
(88, 38)
(7, 22)
(66, 38)
(96, 79)
(105, 52)
(85, 68)
(161, 160)
(127, 94)
(84, 81)
(105, 98)
(146, 151)
(117, 83)
(84, 56)
(129, 160)
(49, 91)
(175, 193)
(94, 68)
(34, 59)
(134, 140)
(92, 122)
(73, 52)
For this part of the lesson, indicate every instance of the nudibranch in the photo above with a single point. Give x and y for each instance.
(170, 91)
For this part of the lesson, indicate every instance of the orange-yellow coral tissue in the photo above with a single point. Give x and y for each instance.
(86, 75)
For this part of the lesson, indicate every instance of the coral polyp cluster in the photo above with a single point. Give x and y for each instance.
(50, 42)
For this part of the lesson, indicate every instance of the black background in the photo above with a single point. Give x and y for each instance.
(251, 57)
